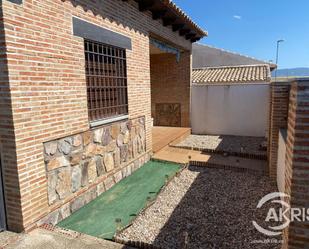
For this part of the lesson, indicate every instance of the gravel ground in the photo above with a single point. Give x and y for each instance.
(226, 143)
(208, 208)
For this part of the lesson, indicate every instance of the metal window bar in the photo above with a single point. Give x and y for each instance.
(106, 78)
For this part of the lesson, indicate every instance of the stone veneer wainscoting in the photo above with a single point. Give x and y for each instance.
(83, 166)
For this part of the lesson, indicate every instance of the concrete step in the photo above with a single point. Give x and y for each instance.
(200, 158)
(7, 238)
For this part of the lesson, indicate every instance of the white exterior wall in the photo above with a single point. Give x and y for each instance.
(281, 163)
(240, 110)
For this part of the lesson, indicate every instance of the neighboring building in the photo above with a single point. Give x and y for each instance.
(80, 83)
(207, 56)
(230, 93)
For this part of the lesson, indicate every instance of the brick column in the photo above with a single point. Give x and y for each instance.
(297, 162)
(279, 99)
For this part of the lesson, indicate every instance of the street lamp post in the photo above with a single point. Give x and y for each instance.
(277, 56)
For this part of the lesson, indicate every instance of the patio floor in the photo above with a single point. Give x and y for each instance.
(122, 202)
(53, 239)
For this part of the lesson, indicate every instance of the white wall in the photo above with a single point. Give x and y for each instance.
(281, 162)
(230, 110)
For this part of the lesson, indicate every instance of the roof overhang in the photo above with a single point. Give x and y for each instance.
(173, 16)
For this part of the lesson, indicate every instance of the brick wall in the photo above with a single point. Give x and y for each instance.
(279, 101)
(174, 77)
(7, 135)
(46, 93)
(297, 162)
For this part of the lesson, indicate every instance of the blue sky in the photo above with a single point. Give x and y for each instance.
(252, 27)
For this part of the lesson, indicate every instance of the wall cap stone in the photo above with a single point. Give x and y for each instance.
(290, 80)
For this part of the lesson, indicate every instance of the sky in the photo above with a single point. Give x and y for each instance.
(252, 27)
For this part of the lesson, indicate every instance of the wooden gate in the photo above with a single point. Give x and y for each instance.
(168, 114)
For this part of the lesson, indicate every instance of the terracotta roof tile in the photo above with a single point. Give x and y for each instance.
(232, 74)
(181, 13)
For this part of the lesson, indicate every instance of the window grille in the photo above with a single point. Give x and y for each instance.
(106, 77)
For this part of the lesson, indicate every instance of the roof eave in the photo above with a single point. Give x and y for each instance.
(173, 16)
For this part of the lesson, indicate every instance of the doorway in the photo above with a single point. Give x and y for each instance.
(2, 201)
(170, 84)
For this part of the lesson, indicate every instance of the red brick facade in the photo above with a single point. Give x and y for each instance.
(297, 162)
(279, 102)
(43, 91)
(290, 110)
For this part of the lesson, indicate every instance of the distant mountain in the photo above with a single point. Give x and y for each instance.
(292, 72)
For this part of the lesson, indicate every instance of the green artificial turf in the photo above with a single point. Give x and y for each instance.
(123, 201)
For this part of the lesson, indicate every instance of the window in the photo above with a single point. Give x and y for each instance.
(106, 76)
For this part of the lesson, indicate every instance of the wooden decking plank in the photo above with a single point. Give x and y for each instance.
(163, 136)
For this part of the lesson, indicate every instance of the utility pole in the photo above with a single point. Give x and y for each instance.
(277, 56)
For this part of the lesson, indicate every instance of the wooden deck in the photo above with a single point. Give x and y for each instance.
(163, 136)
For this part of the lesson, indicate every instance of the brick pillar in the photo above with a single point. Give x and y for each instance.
(297, 162)
(279, 99)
